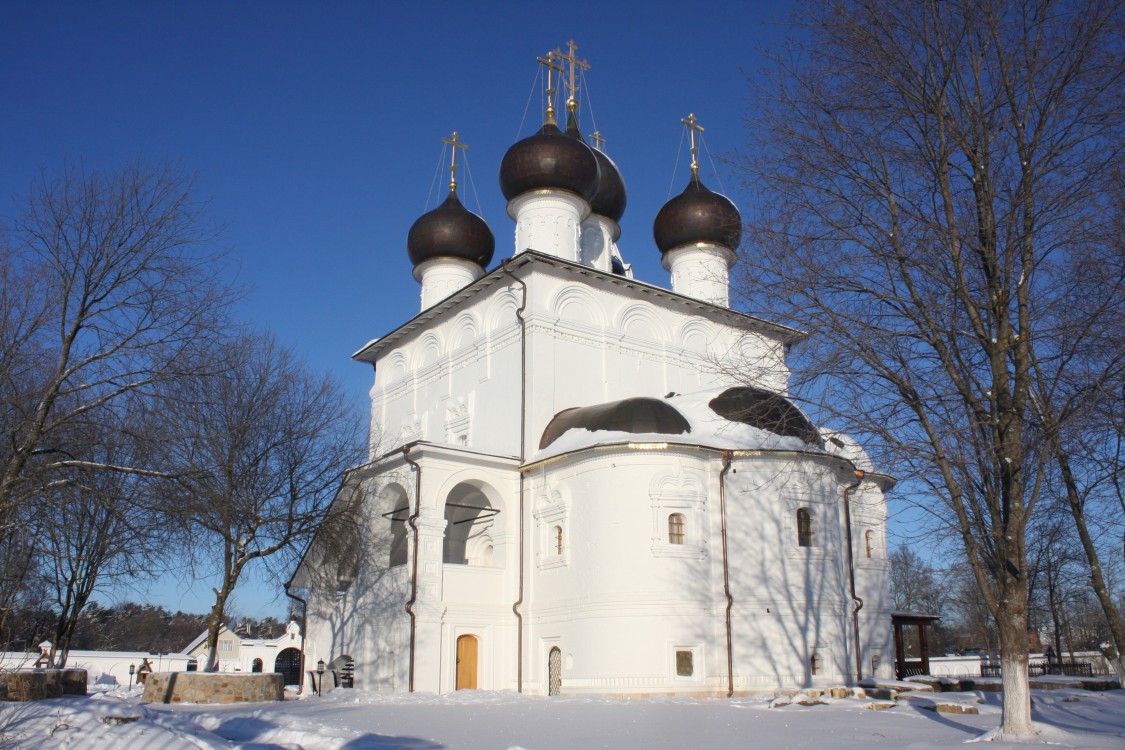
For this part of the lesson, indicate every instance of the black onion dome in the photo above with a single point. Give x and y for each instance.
(550, 159)
(610, 199)
(636, 415)
(450, 231)
(767, 411)
(697, 215)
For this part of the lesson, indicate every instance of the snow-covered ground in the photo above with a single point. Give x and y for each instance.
(475, 720)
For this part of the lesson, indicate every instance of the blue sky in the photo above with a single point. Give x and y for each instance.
(315, 131)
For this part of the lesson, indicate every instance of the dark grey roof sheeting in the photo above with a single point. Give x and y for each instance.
(765, 411)
(636, 415)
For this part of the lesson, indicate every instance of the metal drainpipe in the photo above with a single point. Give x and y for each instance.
(413, 521)
(857, 601)
(304, 623)
(726, 570)
(523, 439)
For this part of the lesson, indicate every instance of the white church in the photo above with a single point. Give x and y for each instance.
(587, 484)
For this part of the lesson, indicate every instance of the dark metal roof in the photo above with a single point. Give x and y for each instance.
(611, 197)
(450, 231)
(550, 159)
(636, 415)
(697, 215)
(767, 411)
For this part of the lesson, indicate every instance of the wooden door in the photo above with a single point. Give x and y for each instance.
(467, 662)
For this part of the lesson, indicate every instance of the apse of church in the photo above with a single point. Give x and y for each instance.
(570, 493)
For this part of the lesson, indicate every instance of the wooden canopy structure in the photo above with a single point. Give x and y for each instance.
(908, 665)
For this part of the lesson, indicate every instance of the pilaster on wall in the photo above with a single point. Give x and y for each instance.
(431, 536)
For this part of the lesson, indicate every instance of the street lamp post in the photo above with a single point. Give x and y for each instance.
(132, 671)
(319, 676)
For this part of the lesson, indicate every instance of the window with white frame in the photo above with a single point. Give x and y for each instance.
(679, 504)
(686, 662)
(553, 542)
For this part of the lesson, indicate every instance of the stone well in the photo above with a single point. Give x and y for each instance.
(213, 687)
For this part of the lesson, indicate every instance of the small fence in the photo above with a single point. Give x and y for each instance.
(1043, 668)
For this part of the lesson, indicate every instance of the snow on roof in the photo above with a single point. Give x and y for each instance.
(707, 429)
(845, 447)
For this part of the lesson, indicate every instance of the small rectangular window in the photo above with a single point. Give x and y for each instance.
(804, 528)
(685, 663)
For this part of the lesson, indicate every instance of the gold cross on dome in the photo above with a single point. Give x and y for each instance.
(574, 63)
(552, 67)
(693, 127)
(454, 141)
(598, 140)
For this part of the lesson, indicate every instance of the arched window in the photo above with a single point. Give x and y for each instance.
(256, 666)
(804, 528)
(676, 528)
(558, 534)
(398, 518)
(869, 540)
(469, 518)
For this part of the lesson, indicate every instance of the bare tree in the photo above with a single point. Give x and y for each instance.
(97, 529)
(915, 585)
(107, 285)
(260, 445)
(930, 176)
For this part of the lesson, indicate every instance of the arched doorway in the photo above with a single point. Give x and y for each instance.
(554, 671)
(467, 662)
(256, 666)
(343, 668)
(288, 664)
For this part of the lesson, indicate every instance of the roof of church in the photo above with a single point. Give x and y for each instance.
(375, 348)
(548, 160)
(697, 215)
(450, 231)
(610, 198)
(631, 415)
(738, 418)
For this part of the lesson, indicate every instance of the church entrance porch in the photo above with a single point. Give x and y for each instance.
(466, 662)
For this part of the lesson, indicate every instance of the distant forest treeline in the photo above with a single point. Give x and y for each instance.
(124, 627)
